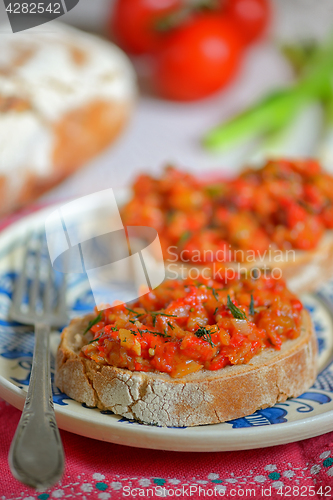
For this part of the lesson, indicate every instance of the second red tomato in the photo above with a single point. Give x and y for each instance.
(134, 23)
(198, 58)
(251, 16)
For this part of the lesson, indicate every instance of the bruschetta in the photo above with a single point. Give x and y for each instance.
(279, 216)
(191, 353)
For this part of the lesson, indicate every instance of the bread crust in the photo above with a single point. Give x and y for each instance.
(205, 397)
(76, 106)
(78, 137)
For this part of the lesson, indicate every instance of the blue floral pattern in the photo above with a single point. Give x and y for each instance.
(17, 343)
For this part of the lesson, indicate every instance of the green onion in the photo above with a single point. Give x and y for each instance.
(276, 110)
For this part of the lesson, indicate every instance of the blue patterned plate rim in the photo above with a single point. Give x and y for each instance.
(283, 423)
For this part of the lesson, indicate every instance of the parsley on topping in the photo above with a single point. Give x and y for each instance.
(93, 322)
(136, 313)
(214, 290)
(163, 314)
(184, 237)
(252, 311)
(171, 326)
(204, 334)
(235, 311)
(216, 311)
(155, 314)
(153, 333)
(95, 340)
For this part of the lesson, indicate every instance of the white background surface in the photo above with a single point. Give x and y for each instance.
(161, 132)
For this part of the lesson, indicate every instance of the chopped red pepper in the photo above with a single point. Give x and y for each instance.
(186, 326)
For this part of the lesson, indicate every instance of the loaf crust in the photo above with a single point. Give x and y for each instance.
(65, 95)
(204, 397)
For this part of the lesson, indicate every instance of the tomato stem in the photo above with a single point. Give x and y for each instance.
(175, 19)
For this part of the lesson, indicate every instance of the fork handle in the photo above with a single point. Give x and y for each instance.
(36, 455)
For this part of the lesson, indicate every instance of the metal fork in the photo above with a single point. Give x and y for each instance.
(36, 455)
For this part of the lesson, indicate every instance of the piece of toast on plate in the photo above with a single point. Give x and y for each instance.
(279, 216)
(191, 353)
(64, 96)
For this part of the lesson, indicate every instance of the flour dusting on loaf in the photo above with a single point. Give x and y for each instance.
(64, 96)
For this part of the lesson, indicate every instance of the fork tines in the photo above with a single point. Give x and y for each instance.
(39, 292)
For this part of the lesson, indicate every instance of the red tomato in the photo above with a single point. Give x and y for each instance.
(197, 58)
(133, 23)
(251, 16)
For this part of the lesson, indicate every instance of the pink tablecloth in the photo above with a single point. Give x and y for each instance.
(98, 470)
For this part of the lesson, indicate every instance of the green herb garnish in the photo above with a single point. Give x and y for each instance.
(153, 333)
(204, 334)
(163, 314)
(95, 340)
(235, 311)
(184, 237)
(155, 314)
(214, 290)
(252, 311)
(216, 311)
(136, 313)
(92, 323)
(171, 326)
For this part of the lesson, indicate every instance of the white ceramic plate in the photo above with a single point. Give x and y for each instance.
(306, 416)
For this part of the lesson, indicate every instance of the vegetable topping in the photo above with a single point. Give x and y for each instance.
(186, 326)
(287, 204)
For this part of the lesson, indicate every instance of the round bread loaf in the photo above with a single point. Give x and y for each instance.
(64, 96)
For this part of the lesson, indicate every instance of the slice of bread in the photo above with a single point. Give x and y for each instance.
(204, 397)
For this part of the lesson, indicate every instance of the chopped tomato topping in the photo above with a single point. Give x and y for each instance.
(286, 204)
(184, 326)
